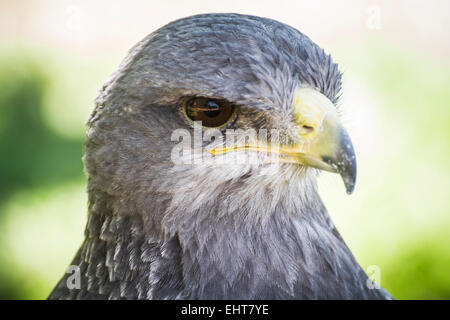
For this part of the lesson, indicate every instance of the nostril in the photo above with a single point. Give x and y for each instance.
(307, 128)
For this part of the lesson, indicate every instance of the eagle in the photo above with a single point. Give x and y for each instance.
(202, 155)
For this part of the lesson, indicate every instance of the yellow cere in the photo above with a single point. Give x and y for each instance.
(311, 108)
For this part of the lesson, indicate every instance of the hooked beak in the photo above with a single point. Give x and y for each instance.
(326, 144)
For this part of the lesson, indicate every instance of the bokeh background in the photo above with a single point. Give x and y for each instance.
(55, 55)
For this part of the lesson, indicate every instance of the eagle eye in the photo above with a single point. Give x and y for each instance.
(213, 113)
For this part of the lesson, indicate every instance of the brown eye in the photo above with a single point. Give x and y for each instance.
(211, 112)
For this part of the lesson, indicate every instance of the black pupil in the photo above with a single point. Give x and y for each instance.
(214, 109)
(211, 112)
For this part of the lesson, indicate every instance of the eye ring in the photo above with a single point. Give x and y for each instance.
(212, 112)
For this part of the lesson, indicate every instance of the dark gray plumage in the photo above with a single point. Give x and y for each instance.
(159, 231)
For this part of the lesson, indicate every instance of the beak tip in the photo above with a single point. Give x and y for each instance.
(350, 188)
(349, 178)
(346, 162)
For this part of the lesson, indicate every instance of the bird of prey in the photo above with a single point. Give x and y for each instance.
(214, 227)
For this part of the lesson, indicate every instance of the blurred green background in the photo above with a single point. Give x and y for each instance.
(55, 55)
